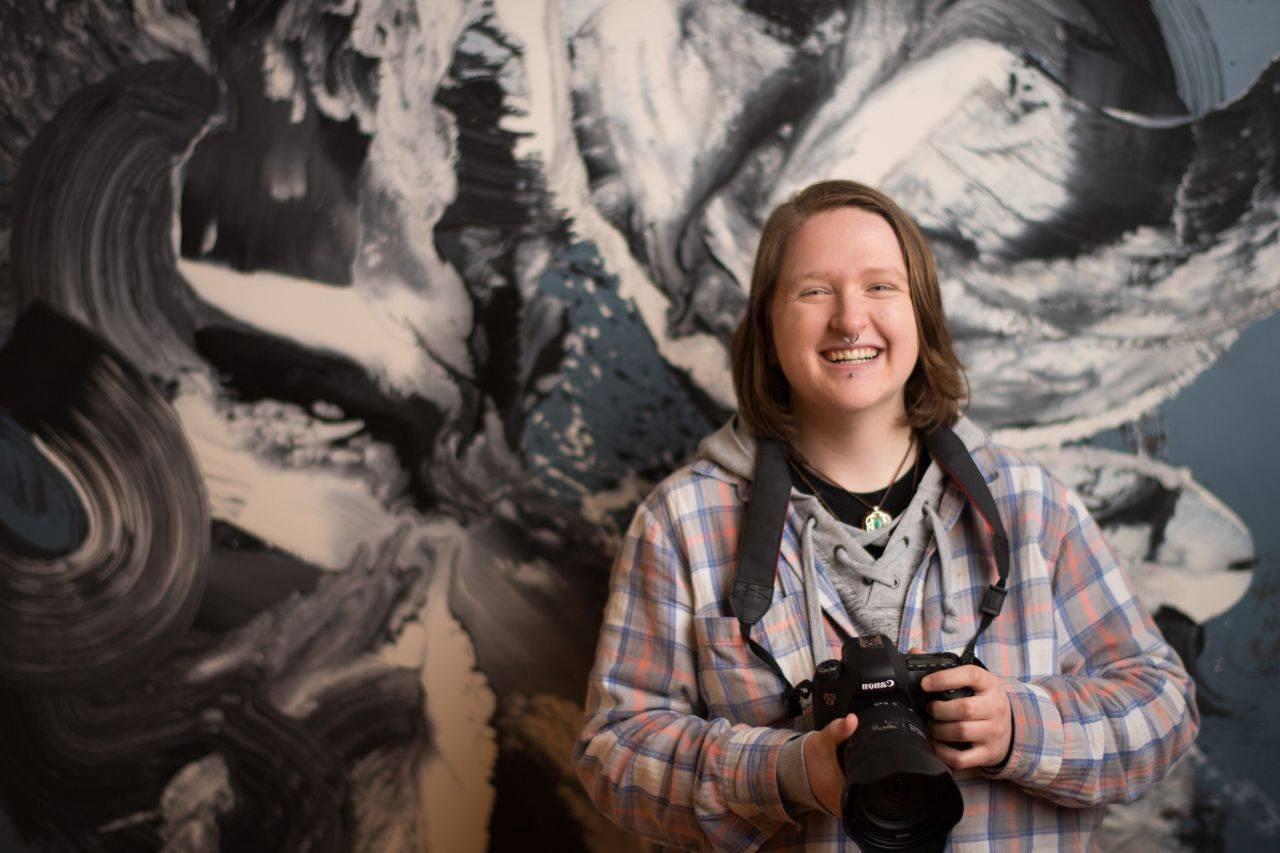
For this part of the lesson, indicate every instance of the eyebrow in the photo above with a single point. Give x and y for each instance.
(874, 272)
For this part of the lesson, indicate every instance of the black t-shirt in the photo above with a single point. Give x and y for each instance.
(847, 508)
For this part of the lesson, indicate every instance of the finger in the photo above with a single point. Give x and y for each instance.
(915, 650)
(963, 732)
(961, 759)
(964, 708)
(841, 728)
(951, 679)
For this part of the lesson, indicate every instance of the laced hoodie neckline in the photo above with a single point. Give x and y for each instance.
(907, 547)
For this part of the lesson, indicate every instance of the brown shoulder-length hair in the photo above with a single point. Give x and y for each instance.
(935, 387)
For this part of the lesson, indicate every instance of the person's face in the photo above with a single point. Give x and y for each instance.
(843, 275)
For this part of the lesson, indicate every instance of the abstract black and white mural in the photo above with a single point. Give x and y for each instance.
(339, 339)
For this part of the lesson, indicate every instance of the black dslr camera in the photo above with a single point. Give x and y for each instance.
(897, 794)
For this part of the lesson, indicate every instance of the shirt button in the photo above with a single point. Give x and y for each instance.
(895, 583)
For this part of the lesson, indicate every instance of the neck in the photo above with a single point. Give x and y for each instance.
(860, 454)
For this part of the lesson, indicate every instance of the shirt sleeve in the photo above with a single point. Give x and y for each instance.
(647, 757)
(1123, 709)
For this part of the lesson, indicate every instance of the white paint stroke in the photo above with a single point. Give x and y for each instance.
(551, 140)
(456, 793)
(1195, 568)
(318, 514)
(867, 137)
(380, 331)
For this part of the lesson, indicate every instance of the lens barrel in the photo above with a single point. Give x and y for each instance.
(898, 795)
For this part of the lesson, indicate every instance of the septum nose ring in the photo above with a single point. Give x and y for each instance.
(853, 340)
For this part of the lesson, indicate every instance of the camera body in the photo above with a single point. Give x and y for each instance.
(898, 795)
(872, 670)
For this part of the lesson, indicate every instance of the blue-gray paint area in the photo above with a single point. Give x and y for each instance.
(614, 405)
(1246, 31)
(1223, 427)
(39, 511)
(9, 842)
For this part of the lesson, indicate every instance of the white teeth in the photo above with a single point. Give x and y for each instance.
(855, 355)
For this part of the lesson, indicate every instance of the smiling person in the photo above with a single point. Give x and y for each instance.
(695, 735)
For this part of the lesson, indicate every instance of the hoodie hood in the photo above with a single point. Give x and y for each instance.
(733, 446)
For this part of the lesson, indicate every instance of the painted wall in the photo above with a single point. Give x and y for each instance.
(341, 338)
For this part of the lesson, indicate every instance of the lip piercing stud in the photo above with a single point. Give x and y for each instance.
(853, 340)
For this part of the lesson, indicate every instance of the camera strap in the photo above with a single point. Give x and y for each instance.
(758, 547)
(766, 516)
(949, 452)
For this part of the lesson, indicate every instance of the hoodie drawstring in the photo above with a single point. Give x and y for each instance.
(817, 627)
(946, 563)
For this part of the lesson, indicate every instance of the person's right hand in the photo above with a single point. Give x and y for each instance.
(826, 779)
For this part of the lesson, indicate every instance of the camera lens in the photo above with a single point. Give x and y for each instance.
(898, 795)
(902, 810)
(895, 802)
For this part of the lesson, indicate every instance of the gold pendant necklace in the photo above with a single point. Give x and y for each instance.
(877, 518)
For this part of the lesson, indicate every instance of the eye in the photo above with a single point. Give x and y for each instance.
(813, 290)
(883, 287)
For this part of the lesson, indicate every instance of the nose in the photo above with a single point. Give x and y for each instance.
(849, 316)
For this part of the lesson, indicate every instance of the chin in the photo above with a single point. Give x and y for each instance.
(864, 406)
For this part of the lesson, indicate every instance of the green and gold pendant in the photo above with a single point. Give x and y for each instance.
(876, 519)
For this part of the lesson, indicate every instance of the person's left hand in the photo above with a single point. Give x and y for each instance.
(984, 720)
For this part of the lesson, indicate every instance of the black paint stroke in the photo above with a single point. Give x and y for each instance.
(248, 577)
(95, 189)
(97, 186)
(500, 214)
(298, 374)
(273, 188)
(95, 615)
(1237, 163)
(74, 765)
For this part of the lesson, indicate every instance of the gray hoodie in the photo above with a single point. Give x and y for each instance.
(872, 590)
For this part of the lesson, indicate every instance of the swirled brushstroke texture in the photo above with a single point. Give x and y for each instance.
(125, 594)
(101, 665)
(453, 283)
(95, 239)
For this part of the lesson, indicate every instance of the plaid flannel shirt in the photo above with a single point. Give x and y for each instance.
(684, 724)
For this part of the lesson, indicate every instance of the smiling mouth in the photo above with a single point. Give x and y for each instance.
(857, 355)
